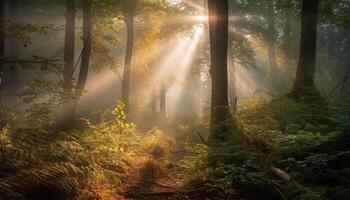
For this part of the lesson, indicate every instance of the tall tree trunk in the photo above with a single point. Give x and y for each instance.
(305, 78)
(218, 29)
(270, 37)
(162, 101)
(2, 43)
(85, 58)
(69, 45)
(66, 114)
(129, 7)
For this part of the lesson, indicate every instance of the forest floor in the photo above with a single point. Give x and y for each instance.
(153, 174)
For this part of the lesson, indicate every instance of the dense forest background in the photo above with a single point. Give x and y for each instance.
(174, 99)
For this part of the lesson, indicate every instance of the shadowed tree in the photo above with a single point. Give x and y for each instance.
(129, 7)
(304, 84)
(84, 66)
(69, 45)
(218, 30)
(85, 58)
(66, 116)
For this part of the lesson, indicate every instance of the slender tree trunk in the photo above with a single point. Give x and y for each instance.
(305, 78)
(129, 7)
(66, 114)
(270, 37)
(218, 28)
(85, 58)
(232, 71)
(69, 45)
(2, 43)
(162, 101)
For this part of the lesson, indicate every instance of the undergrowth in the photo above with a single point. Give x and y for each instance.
(38, 163)
(309, 143)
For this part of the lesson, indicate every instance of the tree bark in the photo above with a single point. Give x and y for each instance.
(69, 45)
(305, 78)
(218, 29)
(129, 7)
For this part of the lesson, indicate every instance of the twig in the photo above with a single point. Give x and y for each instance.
(235, 106)
(279, 191)
(202, 139)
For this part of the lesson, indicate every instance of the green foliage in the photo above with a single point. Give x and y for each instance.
(300, 142)
(38, 159)
(307, 141)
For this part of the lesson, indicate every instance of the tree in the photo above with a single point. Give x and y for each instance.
(304, 84)
(85, 58)
(218, 29)
(129, 7)
(66, 116)
(69, 45)
(232, 70)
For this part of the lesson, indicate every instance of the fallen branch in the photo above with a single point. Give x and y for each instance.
(163, 193)
(284, 176)
(202, 139)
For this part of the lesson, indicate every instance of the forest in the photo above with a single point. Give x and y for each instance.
(174, 99)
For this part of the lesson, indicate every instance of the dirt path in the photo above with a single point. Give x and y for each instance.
(152, 172)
